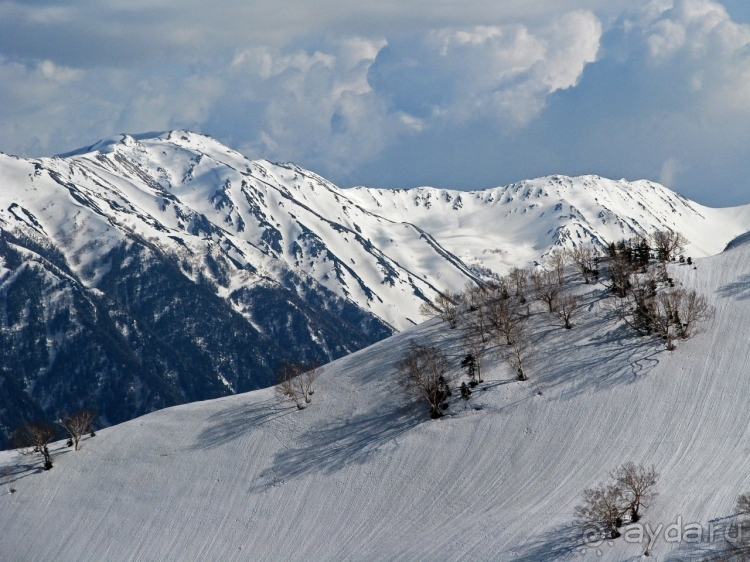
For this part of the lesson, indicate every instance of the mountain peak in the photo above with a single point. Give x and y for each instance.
(383, 250)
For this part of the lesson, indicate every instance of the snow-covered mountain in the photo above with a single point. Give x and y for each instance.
(520, 223)
(358, 475)
(160, 269)
(236, 222)
(224, 218)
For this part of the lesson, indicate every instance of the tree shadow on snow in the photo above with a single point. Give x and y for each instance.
(596, 354)
(337, 444)
(729, 543)
(15, 471)
(739, 289)
(227, 425)
(562, 543)
(610, 355)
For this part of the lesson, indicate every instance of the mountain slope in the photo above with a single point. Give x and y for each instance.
(144, 272)
(517, 224)
(361, 475)
(231, 220)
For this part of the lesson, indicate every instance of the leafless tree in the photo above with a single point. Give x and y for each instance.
(428, 310)
(445, 306)
(677, 313)
(637, 483)
(516, 349)
(77, 424)
(311, 373)
(664, 315)
(546, 286)
(567, 305)
(295, 381)
(504, 316)
(620, 271)
(32, 437)
(518, 278)
(584, 256)
(694, 311)
(742, 506)
(473, 296)
(557, 259)
(633, 302)
(668, 244)
(476, 323)
(603, 504)
(422, 373)
(288, 384)
(641, 293)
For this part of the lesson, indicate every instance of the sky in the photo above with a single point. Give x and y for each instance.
(397, 94)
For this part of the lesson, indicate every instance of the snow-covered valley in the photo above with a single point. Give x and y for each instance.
(363, 474)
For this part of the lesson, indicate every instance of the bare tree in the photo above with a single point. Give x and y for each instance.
(633, 302)
(620, 270)
(664, 315)
(546, 286)
(557, 259)
(567, 305)
(445, 306)
(585, 256)
(295, 381)
(694, 311)
(428, 310)
(517, 349)
(33, 437)
(518, 278)
(476, 324)
(668, 244)
(77, 424)
(677, 313)
(504, 315)
(742, 506)
(311, 373)
(603, 504)
(288, 383)
(422, 372)
(473, 296)
(637, 483)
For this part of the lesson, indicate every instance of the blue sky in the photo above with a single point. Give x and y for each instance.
(464, 95)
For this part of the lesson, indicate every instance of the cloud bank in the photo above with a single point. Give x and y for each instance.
(465, 95)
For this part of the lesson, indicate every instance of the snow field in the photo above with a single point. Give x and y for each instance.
(362, 475)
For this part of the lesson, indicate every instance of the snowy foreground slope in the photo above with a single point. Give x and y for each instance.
(359, 475)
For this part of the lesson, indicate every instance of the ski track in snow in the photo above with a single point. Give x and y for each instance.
(361, 475)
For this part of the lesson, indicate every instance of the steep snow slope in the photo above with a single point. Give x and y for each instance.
(227, 219)
(359, 475)
(517, 224)
(238, 222)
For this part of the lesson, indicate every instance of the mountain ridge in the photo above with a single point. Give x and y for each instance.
(132, 231)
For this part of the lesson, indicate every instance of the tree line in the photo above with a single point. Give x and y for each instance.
(494, 317)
